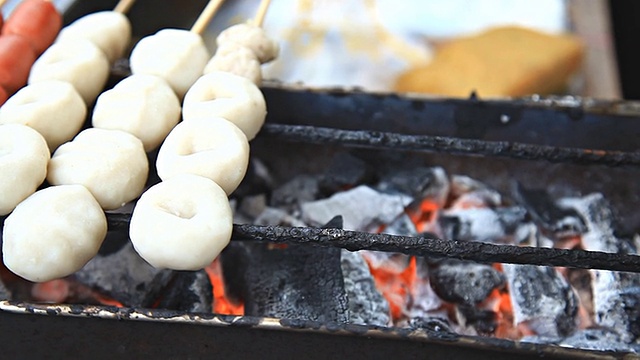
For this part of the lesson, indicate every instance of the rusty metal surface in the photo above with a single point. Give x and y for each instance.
(97, 332)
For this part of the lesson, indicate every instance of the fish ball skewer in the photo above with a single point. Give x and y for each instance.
(237, 60)
(23, 164)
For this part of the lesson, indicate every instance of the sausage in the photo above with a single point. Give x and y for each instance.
(36, 20)
(16, 58)
(3, 96)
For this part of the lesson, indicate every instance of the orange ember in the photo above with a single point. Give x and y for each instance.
(424, 214)
(221, 304)
(395, 287)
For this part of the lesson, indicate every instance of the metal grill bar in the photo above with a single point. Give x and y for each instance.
(424, 246)
(388, 140)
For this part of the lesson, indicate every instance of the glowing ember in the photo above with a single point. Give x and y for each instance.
(221, 304)
(395, 287)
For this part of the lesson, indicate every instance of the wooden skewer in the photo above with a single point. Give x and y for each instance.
(2, 2)
(262, 12)
(123, 6)
(205, 16)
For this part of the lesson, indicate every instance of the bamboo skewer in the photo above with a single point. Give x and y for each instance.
(262, 12)
(123, 6)
(205, 16)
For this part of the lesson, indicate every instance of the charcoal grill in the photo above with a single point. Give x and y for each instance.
(577, 144)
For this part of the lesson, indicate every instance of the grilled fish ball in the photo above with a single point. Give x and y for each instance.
(237, 60)
(142, 105)
(211, 147)
(108, 30)
(23, 164)
(252, 37)
(112, 164)
(182, 223)
(53, 108)
(226, 95)
(53, 233)
(78, 62)
(178, 56)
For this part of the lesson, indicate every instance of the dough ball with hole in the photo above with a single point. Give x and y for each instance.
(178, 56)
(108, 30)
(112, 164)
(78, 62)
(237, 60)
(213, 148)
(23, 164)
(252, 37)
(53, 233)
(142, 105)
(233, 97)
(182, 223)
(53, 108)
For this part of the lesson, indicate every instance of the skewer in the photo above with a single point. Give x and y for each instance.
(205, 16)
(262, 12)
(123, 6)
(2, 2)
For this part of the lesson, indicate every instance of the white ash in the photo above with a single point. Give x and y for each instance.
(299, 190)
(253, 206)
(478, 198)
(462, 184)
(419, 182)
(482, 224)
(361, 208)
(392, 262)
(272, 216)
(366, 305)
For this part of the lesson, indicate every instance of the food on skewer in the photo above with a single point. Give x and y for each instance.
(142, 105)
(16, 58)
(226, 95)
(23, 164)
(53, 233)
(211, 147)
(108, 30)
(37, 21)
(182, 223)
(112, 164)
(252, 37)
(53, 108)
(237, 60)
(78, 62)
(178, 56)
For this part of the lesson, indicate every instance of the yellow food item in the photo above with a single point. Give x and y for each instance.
(506, 61)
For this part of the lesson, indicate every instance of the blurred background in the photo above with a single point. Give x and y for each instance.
(496, 48)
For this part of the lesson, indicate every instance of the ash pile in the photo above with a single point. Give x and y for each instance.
(588, 309)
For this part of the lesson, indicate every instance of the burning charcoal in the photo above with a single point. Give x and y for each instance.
(366, 305)
(297, 282)
(430, 324)
(541, 299)
(482, 320)
(419, 182)
(345, 171)
(464, 282)
(300, 190)
(392, 262)
(273, 216)
(125, 276)
(462, 184)
(483, 224)
(478, 199)
(595, 339)
(402, 225)
(616, 297)
(361, 208)
(561, 222)
(188, 291)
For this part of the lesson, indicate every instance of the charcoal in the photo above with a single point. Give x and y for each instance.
(477, 198)
(366, 305)
(430, 324)
(233, 261)
(464, 282)
(253, 206)
(600, 339)
(402, 225)
(500, 225)
(418, 182)
(188, 291)
(556, 220)
(125, 277)
(615, 294)
(462, 184)
(343, 172)
(362, 208)
(297, 282)
(542, 299)
(482, 320)
(424, 302)
(5, 294)
(273, 216)
(392, 262)
(299, 190)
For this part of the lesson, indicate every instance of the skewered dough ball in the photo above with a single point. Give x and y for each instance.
(112, 164)
(182, 223)
(78, 62)
(237, 60)
(53, 108)
(178, 56)
(142, 105)
(252, 37)
(212, 147)
(23, 164)
(108, 30)
(53, 233)
(226, 95)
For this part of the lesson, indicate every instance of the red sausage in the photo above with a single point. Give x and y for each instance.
(36, 20)
(16, 58)
(3, 96)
